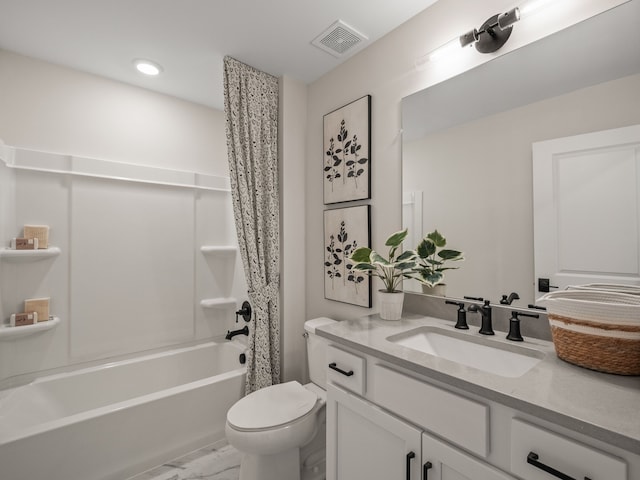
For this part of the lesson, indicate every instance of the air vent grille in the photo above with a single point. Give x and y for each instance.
(338, 39)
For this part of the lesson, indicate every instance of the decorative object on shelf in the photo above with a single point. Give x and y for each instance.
(38, 305)
(431, 257)
(41, 232)
(390, 270)
(347, 152)
(24, 244)
(22, 319)
(346, 229)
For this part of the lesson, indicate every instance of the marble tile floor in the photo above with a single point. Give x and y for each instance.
(219, 461)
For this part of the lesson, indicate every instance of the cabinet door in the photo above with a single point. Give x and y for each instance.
(364, 442)
(443, 462)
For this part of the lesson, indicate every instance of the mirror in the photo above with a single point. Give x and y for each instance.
(467, 167)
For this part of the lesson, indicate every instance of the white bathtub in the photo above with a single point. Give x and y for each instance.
(115, 420)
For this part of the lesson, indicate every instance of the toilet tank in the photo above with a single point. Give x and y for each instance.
(317, 351)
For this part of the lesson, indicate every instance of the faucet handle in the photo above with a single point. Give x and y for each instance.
(461, 323)
(514, 325)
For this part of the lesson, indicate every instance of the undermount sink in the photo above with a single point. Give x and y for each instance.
(484, 354)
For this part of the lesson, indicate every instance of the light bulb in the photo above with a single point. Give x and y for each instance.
(147, 67)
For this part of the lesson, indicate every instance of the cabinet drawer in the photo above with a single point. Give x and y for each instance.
(535, 450)
(346, 369)
(462, 421)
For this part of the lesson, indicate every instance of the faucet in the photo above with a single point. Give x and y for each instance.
(509, 300)
(233, 333)
(485, 312)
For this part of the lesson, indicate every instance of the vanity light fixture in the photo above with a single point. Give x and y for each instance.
(491, 35)
(147, 67)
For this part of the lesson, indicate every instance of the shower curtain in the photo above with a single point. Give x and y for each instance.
(251, 110)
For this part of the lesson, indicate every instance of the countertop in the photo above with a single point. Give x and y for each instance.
(602, 406)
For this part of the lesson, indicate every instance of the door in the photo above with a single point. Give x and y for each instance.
(364, 442)
(444, 462)
(587, 208)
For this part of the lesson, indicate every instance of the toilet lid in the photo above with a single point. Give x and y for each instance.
(272, 406)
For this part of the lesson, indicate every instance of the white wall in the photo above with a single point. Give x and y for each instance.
(131, 274)
(385, 70)
(56, 109)
(292, 129)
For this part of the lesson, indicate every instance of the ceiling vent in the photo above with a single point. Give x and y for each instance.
(338, 39)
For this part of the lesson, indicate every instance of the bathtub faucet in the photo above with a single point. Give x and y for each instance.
(233, 333)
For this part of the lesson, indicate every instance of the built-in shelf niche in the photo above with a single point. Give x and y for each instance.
(7, 332)
(220, 302)
(10, 255)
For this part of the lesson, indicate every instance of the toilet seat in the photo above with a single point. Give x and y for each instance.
(271, 407)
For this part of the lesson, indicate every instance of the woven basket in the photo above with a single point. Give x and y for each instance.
(596, 329)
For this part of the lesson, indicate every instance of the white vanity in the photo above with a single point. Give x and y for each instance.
(395, 411)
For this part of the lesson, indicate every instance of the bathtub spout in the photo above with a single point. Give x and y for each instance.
(233, 333)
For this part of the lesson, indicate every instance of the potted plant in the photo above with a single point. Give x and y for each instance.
(431, 261)
(390, 270)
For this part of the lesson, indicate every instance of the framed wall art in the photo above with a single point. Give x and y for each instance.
(347, 152)
(346, 229)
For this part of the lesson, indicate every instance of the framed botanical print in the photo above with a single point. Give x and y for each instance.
(346, 229)
(347, 152)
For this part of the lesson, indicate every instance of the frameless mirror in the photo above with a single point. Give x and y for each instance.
(467, 163)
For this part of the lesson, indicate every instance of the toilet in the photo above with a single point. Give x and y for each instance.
(281, 430)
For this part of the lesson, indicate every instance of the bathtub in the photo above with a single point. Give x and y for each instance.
(115, 420)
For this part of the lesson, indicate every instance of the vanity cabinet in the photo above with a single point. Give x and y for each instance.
(384, 422)
(364, 441)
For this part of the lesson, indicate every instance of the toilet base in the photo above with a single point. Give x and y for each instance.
(271, 467)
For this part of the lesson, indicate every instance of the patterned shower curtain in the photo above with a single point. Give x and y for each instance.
(251, 110)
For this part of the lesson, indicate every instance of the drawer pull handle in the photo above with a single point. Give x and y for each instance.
(425, 470)
(410, 456)
(532, 459)
(333, 366)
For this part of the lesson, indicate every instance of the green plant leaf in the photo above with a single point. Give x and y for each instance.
(397, 238)
(426, 248)
(364, 266)
(377, 259)
(431, 279)
(361, 254)
(437, 239)
(450, 255)
(406, 255)
(404, 265)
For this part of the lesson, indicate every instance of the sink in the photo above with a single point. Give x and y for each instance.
(482, 353)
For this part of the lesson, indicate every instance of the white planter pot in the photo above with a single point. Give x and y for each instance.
(391, 305)
(440, 290)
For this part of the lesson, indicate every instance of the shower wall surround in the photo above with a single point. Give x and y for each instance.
(131, 274)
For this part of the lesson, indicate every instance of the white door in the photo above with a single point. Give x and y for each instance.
(586, 205)
(364, 442)
(443, 462)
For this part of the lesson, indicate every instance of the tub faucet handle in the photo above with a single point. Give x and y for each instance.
(245, 312)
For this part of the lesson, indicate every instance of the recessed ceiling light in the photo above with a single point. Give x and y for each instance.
(147, 67)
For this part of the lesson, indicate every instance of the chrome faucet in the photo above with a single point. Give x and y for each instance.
(486, 327)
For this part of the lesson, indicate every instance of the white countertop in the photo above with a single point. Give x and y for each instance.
(603, 406)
